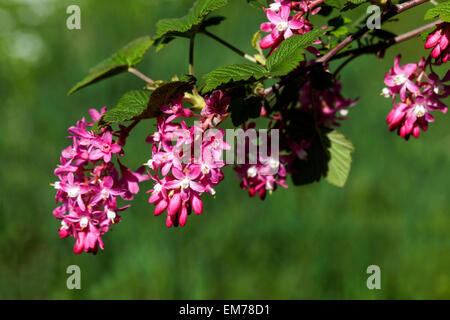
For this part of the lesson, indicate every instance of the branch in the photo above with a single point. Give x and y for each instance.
(383, 45)
(230, 46)
(392, 11)
(140, 75)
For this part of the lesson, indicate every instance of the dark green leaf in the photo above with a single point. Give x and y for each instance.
(242, 109)
(340, 158)
(167, 29)
(164, 93)
(290, 52)
(130, 107)
(321, 79)
(136, 105)
(234, 72)
(383, 34)
(316, 164)
(127, 57)
(441, 11)
(212, 21)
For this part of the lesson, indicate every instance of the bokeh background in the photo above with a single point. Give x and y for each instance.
(311, 242)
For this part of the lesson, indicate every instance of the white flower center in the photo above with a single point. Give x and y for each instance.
(74, 191)
(157, 188)
(275, 7)
(110, 214)
(57, 185)
(438, 89)
(84, 222)
(212, 191)
(282, 26)
(105, 194)
(185, 183)
(269, 185)
(156, 136)
(205, 169)
(343, 112)
(150, 163)
(419, 110)
(273, 163)
(64, 225)
(385, 92)
(400, 79)
(252, 172)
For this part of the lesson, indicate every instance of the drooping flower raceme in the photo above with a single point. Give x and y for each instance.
(89, 185)
(419, 93)
(186, 160)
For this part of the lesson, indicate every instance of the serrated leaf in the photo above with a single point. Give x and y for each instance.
(441, 11)
(130, 107)
(167, 29)
(234, 72)
(290, 52)
(164, 93)
(340, 158)
(136, 105)
(119, 62)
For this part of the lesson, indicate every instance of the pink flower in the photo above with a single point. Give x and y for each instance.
(281, 26)
(439, 40)
(399, 79)
(89, 185)
(176, 109)
(180, 175)
(410, 118)
(105, 147)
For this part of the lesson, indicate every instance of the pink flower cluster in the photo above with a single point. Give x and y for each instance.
(439, 40)
(420, 94)
(263, 173)
(89, 185)
(282, 25)
(328, 106)
(186, 160)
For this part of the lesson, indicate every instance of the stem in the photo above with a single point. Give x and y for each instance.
(231, 47)
(125, 132)
(191, 55)
(140, 75)
(383, 45)
(393, 11)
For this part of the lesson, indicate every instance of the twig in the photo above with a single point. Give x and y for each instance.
(383, 45)
(140, 75)
(393, 11)
(230, 46)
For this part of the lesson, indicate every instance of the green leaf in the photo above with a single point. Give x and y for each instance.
(234, 72)
(290, 52)
(242, 109)
(302, 126)
(441, 11)
(127, 57)
(340, 158)
(316, 164)
(164, 93)
(130, 107)
(136, 105)
(167, 29)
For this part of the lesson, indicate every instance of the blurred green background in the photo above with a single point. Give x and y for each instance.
(311, 242)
